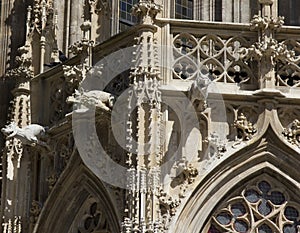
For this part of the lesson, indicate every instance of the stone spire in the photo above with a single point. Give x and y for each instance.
(144, 129)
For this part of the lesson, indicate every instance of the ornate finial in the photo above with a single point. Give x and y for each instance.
(146, 11)
(267, 51)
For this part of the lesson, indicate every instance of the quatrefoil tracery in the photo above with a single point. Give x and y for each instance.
(259, 209)
(210, 55)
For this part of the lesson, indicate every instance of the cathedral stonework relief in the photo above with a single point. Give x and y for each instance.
(150, 116)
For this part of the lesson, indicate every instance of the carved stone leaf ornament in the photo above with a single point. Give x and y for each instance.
(41, 15)
(168, 204)
(245, 129)
(292, 133)
(81, 47)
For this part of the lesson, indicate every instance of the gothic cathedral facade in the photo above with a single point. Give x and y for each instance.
(150, 116)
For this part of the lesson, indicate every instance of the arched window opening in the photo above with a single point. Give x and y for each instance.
(184, 9)
(290, 10)
(261, 207)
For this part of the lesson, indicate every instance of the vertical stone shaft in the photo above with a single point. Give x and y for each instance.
(144, 125)
(16, 182)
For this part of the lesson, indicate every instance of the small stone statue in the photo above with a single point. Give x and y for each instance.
(198, 92)
(27, 135)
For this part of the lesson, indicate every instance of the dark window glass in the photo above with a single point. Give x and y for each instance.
(126, 19)
(290, 10)
(218, 10)
(184, 9)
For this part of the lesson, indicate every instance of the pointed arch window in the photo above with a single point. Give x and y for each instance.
(261, 207)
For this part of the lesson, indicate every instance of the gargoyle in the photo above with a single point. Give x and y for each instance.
(95, 98)
(29, 135)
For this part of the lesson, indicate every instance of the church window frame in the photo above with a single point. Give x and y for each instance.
(261, 206)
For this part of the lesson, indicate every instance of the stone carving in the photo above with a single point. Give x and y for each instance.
(168, 205)
(14, 148)
(292, 133)
(266, 23)
(23, 70)
(100, 5)
(197, 93)
(187, 174)
(86, 99)
(217, 147)
(185, 178)
(245, 129)
(42, 13)
(51, 180)
(13, 225)
(29, 135)
(35, 211)
(127, 225)
(268, 51)
(146, 11)
(267, 48)
(74, 74)
(81, 47)
(146, 91)
(59, 91)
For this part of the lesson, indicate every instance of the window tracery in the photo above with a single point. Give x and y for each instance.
(211, 55)
(260, 208)
(93, 220)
